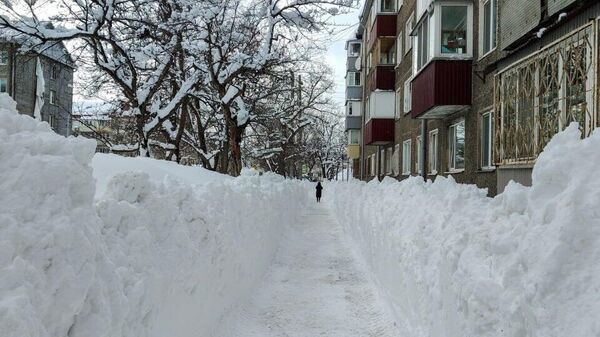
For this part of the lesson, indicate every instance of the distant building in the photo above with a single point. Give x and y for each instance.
(354, 91)
(20, 76)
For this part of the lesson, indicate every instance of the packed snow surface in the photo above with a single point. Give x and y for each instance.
(163, 250)
(315, 287)
(453, 262)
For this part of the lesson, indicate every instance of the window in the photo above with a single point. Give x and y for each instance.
(387, 6)
(456, 146)
(540, 95)
(406, 154)
(407, 96)
(422, 36)
(387, 54)
(354, 49)
(52, 97)
(488, 31)
(399, 103)
(3, 57)
(54, 72)
(389, 152)
(445, 31)
(433, 151)
(373, 165)
(353, 137)
(396, 160)
(410, 23)
(53, 121)
(353, 79)
(419, 157)
(399, 48)
(454, 29)
(486, 140)
(3, 85)
(349, 108)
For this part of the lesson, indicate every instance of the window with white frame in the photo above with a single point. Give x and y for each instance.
(354, 49)
(387, 6)
(486, 140)
(387, 54)
(3, 57)
(433, 151)
(487, 18)
(419, 156)
(408, 96)
(456, 146)
(353, 137)
(353, 79)
(408, 27)
(389, 152)
(382, 168)
(399, 103)
(396, 160)
(3, 85)
(422, 36)
(52, 97)
(454, 38)
(349, 109)
(406, 154)
(444, 32)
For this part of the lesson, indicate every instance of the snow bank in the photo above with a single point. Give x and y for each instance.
(453, 262)
(151, 256)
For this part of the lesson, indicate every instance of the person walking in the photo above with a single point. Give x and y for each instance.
(319, 189)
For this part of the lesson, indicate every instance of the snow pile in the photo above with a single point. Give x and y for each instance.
(453, 262)
(152, 256)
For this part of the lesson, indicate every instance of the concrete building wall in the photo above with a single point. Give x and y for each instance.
(23, 87)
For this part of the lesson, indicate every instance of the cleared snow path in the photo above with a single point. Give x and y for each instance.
(315, 287)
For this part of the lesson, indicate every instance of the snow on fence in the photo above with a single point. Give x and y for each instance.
(152, 255)
(453, 262)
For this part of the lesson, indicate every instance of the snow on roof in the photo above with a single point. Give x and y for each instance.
(54, 50)
(93, 109)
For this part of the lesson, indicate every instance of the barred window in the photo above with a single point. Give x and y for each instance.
(543, 94)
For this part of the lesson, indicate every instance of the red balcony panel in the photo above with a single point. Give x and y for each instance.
(379, 131)
(382, 77)
(442, 88)
(385, 25)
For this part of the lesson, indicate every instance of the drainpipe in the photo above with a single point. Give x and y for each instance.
(423, 154)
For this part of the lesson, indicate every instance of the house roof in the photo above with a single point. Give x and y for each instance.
(54, 50)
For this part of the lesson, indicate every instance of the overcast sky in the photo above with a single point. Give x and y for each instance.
(336, 53)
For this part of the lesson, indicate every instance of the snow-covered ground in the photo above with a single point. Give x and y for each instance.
(453, 262)
(315, 287)
(160, 251)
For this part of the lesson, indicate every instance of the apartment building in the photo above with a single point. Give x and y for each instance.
(41, 79)
(479, 86)
(353, 101)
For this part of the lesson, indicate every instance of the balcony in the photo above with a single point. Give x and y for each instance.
(442, 88)
(353, 151)
(384, 26)
(379, 131)
(353, 122)
(382, 77)
(353, 93)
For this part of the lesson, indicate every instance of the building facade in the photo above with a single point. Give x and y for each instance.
(19, 77)
(353, 101)
(479, 86)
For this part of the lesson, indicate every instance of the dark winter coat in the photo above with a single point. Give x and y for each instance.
(319, 189)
